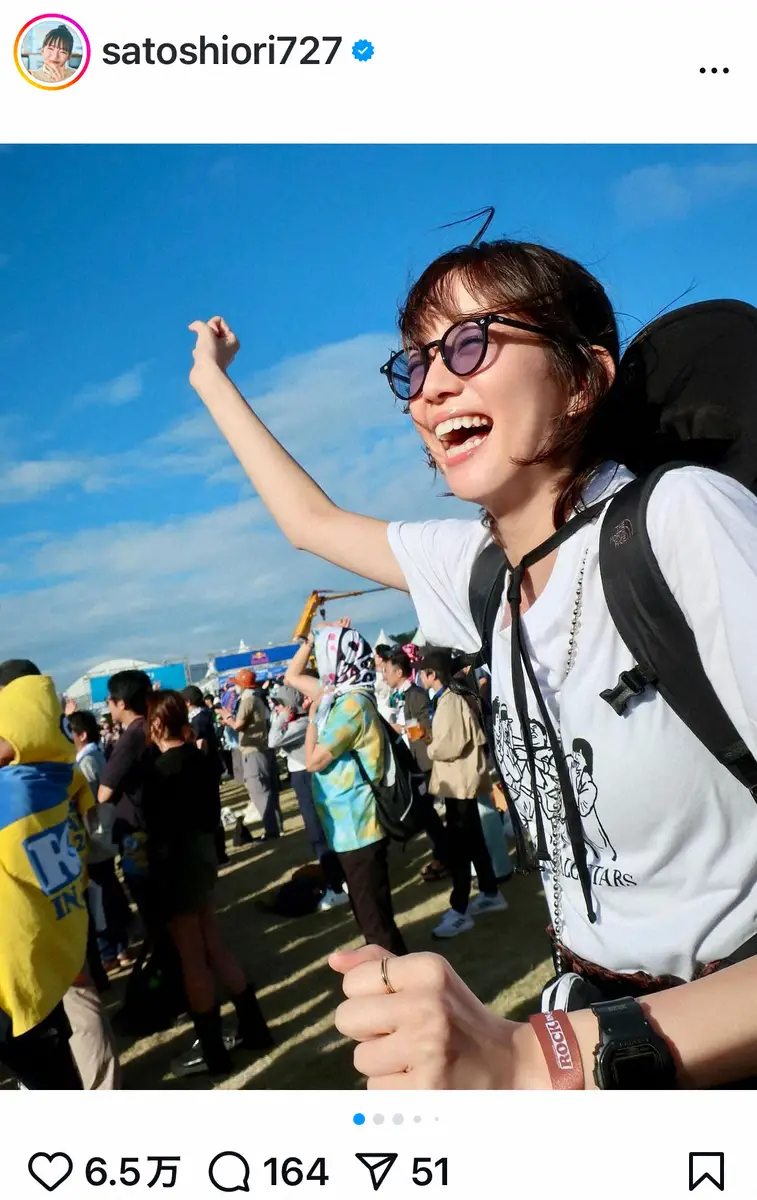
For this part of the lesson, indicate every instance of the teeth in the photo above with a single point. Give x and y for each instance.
(472, 422)
(464, 447)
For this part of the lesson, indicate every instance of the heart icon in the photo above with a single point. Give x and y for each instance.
(51, 1170)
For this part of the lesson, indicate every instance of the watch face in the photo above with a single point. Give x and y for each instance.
(636, 1067)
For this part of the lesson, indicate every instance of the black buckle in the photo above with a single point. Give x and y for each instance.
(630, 683)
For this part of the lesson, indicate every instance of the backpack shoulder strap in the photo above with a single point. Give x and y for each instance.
(363, 773)
(655, 630)
(485, 589)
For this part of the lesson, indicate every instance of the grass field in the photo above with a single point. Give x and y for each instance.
(504, 960)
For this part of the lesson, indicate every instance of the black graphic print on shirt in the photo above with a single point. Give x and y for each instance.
(513, 761)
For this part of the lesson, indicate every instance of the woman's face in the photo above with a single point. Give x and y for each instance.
(514, 391)
(55, 55)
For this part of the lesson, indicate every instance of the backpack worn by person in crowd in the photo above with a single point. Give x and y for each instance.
(687, 389)
(300, 895)
(401, 792)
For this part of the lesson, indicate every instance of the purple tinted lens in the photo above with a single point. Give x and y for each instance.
(416, 373)
(464, 348)
(399, 377)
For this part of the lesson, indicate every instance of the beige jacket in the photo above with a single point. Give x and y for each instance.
(44, 75)
(456, 750)
(253, 715)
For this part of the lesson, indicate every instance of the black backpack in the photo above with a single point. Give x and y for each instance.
(298, 897)
(687, 392)
(402, 790)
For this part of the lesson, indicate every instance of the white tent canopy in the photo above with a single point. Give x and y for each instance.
(79, 689)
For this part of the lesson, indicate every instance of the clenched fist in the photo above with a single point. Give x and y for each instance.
(216, 344)
(431, 1031)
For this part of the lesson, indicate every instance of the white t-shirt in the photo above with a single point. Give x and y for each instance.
(671, 836)
(383, 692)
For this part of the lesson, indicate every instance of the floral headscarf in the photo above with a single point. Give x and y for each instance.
(345, 664)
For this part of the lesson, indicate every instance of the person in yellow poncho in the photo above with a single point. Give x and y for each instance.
(43, 933)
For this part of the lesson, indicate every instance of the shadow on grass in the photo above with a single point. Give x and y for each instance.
(504, 959)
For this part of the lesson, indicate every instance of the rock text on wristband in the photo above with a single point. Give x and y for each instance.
(561, 1051)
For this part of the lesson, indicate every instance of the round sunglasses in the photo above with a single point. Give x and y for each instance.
(463, 349)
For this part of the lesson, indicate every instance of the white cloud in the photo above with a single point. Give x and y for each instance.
(181, 588)
(666, 192)
(192, 585)
(323, 405)
(119, 390)
(34, 477)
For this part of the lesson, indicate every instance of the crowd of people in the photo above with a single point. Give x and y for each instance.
(111, 839)
(145, 836)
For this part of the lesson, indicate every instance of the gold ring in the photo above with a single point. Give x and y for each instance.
(385, 977)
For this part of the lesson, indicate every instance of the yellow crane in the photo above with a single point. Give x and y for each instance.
(315, 604)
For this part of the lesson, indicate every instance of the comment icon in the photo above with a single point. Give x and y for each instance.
(230, 1172)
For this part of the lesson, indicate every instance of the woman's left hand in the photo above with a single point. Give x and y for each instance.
(431, 1032)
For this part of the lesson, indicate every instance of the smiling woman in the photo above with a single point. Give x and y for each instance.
(644, 840)
(56, 52)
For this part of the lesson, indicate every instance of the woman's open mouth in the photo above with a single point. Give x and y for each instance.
(461, 436)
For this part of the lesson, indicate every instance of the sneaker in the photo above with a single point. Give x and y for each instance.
(331, 899)
(486, 904)
(452, 923)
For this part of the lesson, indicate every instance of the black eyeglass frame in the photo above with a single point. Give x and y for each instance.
(441, 344)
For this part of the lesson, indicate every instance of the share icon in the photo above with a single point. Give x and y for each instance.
(379, 1166)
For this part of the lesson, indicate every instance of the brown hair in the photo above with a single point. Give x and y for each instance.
(169, 709)
(543, 287)
(60, 36)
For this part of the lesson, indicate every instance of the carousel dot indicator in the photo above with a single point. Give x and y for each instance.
(359, 1119)
(378, 1118)
(398, 1118)
(417, 1120)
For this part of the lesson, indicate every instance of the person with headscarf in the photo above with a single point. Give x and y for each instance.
(287, 733)
(343, 723)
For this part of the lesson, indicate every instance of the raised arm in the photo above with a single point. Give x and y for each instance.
(301, 509)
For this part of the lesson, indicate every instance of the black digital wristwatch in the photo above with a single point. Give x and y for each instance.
(630, 1055)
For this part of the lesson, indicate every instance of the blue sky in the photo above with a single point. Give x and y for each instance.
(127, 527)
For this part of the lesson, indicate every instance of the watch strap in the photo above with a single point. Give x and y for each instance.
(620, 1019)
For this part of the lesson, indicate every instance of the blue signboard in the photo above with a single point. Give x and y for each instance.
(265, 663)
(170, 675)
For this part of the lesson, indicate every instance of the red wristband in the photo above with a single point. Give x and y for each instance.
(560, 1049)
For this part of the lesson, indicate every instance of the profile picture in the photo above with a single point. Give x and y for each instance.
(52, 51)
